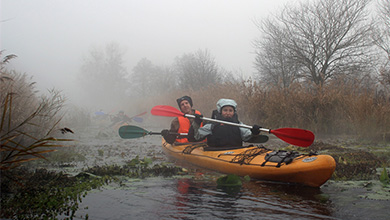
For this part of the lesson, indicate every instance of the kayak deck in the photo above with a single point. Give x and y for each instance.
(257, 162)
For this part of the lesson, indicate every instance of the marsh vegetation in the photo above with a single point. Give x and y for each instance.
(315, 70)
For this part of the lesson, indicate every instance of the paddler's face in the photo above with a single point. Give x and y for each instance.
(227, 111)
(185, 107)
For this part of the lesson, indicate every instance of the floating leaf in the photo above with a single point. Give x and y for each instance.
(323, 198)
(229, 180)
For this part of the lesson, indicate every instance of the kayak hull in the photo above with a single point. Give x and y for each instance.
(309, 170)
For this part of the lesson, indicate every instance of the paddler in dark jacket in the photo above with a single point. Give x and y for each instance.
(181, 124)
(222, 135)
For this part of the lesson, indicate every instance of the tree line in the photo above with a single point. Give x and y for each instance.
(322, 65)
(313, 42)
(104, 71)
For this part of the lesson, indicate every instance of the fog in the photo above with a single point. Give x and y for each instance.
(50, 37)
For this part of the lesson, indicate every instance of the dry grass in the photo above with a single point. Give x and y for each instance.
(337, 108)
(27, 122)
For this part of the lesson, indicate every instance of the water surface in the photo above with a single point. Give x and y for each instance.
(196, 195)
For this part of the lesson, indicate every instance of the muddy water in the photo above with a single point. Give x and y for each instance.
(196, 195)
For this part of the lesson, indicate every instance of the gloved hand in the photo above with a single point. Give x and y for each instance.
(198, 119)
(165, 133)
(255, 130)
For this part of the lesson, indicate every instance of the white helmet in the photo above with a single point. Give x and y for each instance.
(226, 102)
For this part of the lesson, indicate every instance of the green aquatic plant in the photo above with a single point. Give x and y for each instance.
(229, 180)
(247, 178)
(384, 177)
(231, 184)
(135, 168)
(136, 162)
(101, 153)
(44, 194)
(372, 190)
(322, 197)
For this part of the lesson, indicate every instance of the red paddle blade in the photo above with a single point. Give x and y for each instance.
(166, 110)
(295, 136)
(143, 113)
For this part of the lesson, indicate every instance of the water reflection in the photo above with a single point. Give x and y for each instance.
(202, 199)
(254, 200)
(292, 200)
(189, 198)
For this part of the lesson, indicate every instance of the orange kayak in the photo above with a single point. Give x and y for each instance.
(257, 162)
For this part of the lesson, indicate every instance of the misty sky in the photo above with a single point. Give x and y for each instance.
(50, 37)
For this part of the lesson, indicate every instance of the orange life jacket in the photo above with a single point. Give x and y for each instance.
(185, 127)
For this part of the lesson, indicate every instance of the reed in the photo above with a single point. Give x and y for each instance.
(28, 122)
(337, 108)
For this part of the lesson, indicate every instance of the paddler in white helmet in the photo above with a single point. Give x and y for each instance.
(222, 135)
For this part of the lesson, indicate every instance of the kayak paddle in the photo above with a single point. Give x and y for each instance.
(138, 119)
(294, 136)
(131, 131)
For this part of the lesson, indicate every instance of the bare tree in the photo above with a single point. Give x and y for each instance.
(272, 59)
(197, 70)
(147, 79)
(320, 39)
(381, 39)
(103, 76)
(167, 80)
(141, 77)
(384, 27)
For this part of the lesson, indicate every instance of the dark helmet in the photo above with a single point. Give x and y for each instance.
(179, 100)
